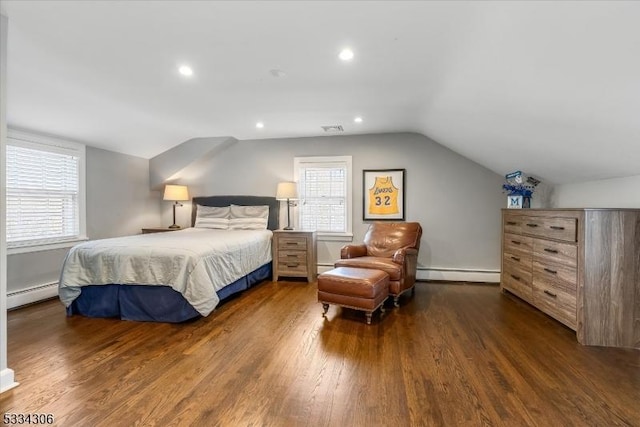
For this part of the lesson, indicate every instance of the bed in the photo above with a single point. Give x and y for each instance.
(174, 276)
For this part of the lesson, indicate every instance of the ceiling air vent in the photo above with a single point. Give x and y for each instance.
(333, 128)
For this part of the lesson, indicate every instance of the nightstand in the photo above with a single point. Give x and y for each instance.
(158, 230)
(295, 254)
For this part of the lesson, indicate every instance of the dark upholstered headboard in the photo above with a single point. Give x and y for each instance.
(222, 201)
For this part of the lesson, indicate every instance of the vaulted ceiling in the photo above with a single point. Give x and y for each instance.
(551, 88)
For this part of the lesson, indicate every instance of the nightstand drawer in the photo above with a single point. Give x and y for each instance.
(292, 256)
(285, 243)
(292, 268)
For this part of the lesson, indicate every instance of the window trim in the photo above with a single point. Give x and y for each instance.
(299, 162)
(32, 140)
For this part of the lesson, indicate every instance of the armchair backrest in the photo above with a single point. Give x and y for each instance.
(384, 238)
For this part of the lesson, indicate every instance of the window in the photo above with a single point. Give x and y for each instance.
(45, 192)
(324, 184)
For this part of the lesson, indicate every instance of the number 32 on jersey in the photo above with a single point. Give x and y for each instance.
(383, 197)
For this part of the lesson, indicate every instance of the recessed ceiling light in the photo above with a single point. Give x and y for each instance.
(185, 70)
(358, 119)
(259, 125)
(277, 73)
(346, 54)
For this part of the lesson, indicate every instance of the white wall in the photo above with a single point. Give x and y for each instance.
(457, 201)
(119, 199)
(606, 193)
(164, 167)
(6, 374)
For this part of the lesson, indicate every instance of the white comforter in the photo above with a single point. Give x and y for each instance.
(196, 262)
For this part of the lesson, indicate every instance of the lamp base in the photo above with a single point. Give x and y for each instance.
(174, 226)
(288, 228)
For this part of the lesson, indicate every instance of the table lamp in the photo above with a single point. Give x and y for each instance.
(175, 193)
(287, 191)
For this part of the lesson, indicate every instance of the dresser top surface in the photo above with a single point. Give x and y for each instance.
(571, 210)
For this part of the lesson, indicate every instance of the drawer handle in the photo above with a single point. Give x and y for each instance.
(515, 258)
(548, 270)
(556, 227)
(511, 223)
(295, 264)
(552, 251)
(515, 242)
(516, 277)
(532, 225)
(292, 256)
(291, 243)
(551, 294)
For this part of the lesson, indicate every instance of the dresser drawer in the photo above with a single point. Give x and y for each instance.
(552, 228)
(556, 302)
(513, 223)
(517, 279)
(288, 243)
(550, 252)
(518, 245)
(522, 261)
(560, 276)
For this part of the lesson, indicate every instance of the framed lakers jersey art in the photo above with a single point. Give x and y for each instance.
(383, 191)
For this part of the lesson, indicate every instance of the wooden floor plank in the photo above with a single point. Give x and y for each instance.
(454, 354)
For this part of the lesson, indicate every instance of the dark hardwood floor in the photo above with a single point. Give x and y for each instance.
(455, 354)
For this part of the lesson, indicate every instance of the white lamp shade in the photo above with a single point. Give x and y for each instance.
(287, 190)
(176, 192)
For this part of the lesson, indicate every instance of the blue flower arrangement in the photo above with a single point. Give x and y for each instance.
(517, 185)
(518, 190)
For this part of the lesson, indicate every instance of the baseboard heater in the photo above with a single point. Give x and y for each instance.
(446, 274)
(30, 295)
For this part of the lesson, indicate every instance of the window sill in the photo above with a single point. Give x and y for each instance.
(35, 247)
(335, 237)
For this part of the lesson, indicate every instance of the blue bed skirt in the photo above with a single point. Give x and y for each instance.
(150, 303)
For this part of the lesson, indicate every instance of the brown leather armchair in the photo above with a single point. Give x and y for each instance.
(391, 247)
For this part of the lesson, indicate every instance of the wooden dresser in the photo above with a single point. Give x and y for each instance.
(580, 266)
(294, 254)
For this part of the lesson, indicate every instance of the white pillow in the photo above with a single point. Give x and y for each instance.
(212, 212)
(249, 217)
(212, 217)
(218, 223)
(248, 224)
(249, 212)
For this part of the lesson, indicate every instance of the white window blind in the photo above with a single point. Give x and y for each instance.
(325, 194)
(43, 193)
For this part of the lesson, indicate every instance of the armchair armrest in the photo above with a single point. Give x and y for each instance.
(353, 251)
(400, 255)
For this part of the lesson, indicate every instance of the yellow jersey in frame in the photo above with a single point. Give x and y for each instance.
(383, 197)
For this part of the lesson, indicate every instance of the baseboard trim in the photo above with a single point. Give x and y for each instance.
(7, 381)
(445, 274)
(458, 275)
(31, 295)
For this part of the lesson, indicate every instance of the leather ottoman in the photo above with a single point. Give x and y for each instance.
(357, 288)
